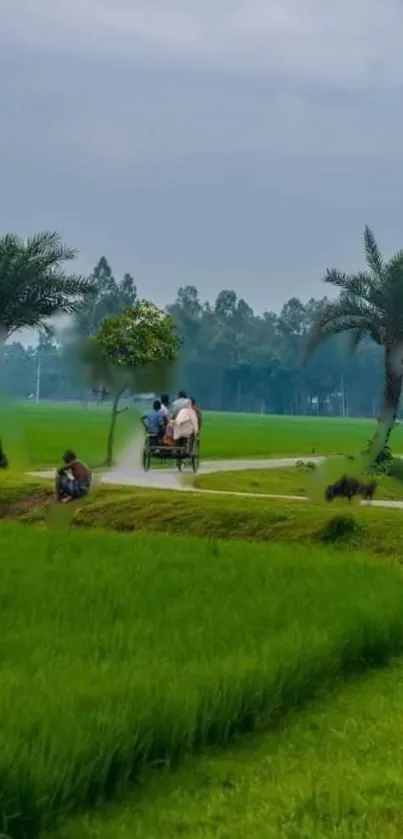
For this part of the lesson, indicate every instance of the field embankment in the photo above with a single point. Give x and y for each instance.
(378, 531)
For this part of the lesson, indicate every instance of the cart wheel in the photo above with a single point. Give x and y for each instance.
(146, 459)
(195, 458)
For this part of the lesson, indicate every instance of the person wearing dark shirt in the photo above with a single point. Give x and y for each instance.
(155, 421)
(73, 479)
(165, 405)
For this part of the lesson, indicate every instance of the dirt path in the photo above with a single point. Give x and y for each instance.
(170, 479)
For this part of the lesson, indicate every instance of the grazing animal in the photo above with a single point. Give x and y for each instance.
(349, 487)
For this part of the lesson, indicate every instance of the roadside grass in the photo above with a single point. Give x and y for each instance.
(122, 652)
(302, 480)
(37, 435)
(334, 770)
(123, 509)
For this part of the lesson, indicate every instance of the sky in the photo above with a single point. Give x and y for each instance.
(221, 143)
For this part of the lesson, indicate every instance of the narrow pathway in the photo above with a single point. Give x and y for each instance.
(171, 479)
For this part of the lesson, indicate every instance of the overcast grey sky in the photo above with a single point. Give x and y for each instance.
(222, 143)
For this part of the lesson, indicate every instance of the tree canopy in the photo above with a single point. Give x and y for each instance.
(134, 349)
(230, 358)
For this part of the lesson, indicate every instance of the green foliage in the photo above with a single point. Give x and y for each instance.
(121, 652)
(140, 336)
(133, 351)
(370, 304)
(332, 771)
(232, 357)
(382, 463)
(33, 283)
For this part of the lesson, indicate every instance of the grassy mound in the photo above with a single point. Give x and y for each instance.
(336, 770)
(20, 495)
(119, 651)
(379, 531)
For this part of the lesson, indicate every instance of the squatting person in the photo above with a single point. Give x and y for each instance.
(73, 479)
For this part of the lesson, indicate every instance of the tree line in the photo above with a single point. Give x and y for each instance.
(231, 358)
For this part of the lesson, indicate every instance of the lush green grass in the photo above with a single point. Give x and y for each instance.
(335, 770)
(121, 651)
(37, 435)
(378, 531)
(299, 480)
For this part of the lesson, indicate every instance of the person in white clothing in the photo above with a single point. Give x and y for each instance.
(179, 403)
(186, 423)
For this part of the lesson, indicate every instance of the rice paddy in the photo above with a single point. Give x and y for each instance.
(118, 652)
(127, 656)
(37, 435)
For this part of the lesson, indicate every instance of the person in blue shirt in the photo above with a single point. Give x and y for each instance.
(155, 421)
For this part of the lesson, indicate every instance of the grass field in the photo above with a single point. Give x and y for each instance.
(37, 435)
(126, 653)
(301, 481)
(334, 771)
(118, 651)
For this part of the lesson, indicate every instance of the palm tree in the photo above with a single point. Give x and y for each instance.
(370, 303)
(33, 283)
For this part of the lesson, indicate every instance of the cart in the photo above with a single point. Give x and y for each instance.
(184, 452)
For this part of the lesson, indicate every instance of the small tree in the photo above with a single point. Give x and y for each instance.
(131, 351)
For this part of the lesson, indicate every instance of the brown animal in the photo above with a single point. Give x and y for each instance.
(349, 487)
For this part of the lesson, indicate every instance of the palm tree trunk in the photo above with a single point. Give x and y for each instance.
(3, 456)
(390, 404)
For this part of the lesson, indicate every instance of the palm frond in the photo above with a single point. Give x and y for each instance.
(49, 245)
(345, 314)
(33, 284)
(337, 278)
(373, 255)
(394, 270)
(354, 338)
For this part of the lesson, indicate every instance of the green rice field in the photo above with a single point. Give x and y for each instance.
(38, 434)
(334, 771)
(123, 652)
(160, 685)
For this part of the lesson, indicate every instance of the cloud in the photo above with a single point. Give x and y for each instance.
(352, 43)
(237, 143)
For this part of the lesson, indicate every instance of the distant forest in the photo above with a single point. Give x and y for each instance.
(232, 359)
